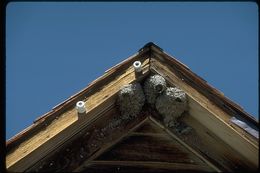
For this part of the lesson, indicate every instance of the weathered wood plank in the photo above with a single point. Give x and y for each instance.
(145, 147)
(182, 142)
(207, 144)
(26, 153)
(149, 127)
(215, 118)
(216, 97)
(87, 143)
(137, 166)
(66, 134)
(156, 135)
(93, 87)
(183, 71)
(119, 135)
(150, 148)
(214, 148)
(220, 130)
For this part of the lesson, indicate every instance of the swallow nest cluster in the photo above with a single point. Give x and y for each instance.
(170, 102)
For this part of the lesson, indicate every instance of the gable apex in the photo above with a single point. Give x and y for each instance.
(149, 45)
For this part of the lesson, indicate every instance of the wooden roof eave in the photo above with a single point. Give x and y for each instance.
(219, 108)
(95, 95)
(231, 107)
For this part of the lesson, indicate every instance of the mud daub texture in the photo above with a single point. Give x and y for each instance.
(153, 87)
(131, 100)
(171, 104)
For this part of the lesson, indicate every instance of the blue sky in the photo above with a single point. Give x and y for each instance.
(55, 49)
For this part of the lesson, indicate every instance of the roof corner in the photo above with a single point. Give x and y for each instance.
(149, 45)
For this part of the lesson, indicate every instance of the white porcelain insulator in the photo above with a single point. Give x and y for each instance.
(80, 106)
(137, 66)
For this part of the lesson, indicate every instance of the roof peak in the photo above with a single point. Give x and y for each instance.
(149, 45)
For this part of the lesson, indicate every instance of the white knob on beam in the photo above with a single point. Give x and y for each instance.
(80, 106)
(137, 66)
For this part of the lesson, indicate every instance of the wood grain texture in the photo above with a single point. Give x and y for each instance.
(85, 145)
(204, 142)
(30, 150)
(139, 167)
(246, 149)
(92, 87)
(117, 136)
(214, 148)
(150, 150)
(149, 127)
(214, 95)
(213, 117)
(170, 65)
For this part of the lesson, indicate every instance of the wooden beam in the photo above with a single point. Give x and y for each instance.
(231, 137)
(212, 117)
(213, 95)
(213, 148)
(45, 140)
(184, 144)
(152, 165)
(107, 146)
(201, 85)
